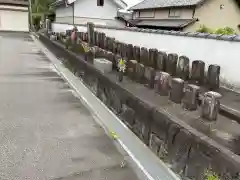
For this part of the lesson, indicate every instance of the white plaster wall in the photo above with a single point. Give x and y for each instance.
(64, 12)
(88, 11)
(89, 8)
(224, 53)
(14, 20)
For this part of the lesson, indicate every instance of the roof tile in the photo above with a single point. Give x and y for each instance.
(149, 4)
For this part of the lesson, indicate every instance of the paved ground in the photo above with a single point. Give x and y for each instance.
(45, 132)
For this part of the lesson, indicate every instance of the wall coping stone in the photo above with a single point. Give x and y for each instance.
(232, 38)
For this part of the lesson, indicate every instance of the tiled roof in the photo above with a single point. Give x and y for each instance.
(119, 3)
(15, 2)
(149, 4)
(174, 23)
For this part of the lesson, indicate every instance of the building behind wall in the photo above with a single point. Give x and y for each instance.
(187, 15)
(82, 11)
(14, 15)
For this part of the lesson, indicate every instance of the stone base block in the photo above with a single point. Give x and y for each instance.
(176, 92)
(102, 65)
(190, 97)
(210, 105)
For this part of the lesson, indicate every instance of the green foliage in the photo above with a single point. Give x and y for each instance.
(210, 175)
(224, 31)
(204, 29)
(41, 6)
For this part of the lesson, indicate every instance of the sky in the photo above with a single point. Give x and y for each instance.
(132, 2)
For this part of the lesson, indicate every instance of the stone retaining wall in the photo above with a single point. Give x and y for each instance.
(188, 152)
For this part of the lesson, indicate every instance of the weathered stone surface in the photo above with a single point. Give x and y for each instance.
(153, 55)
(105, 43)
(102, 37)
(179, 153)
(81, 35)
(90, 30)
(128, 115)
(173, 130)
(161, 61)
(110, 57)
(143, 119)
(213, 76)
(183, 68)
(139, 74)
(155, 143)
(102, 95)
(197, 72)
(115, 101)
(97, 38)
(160, 126)
(103, 65)
(162, 83)
(89, 56)
(176, 92)
(93, 85)
(210, 105)
(68, 32)
(115, 47)
(110, 44)
(136, 53)
(149, 76)
(124, 50)
(144, 55)
(203, 154)
(131, 69)
(119, 46)
(171, 64)
(190, 98)
(130, 51)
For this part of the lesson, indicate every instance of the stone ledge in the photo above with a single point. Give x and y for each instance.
(169, 137)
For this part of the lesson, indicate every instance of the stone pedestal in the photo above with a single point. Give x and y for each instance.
(90, 30)
(124, 50)
(131, 69)
(110, 57)
(136, 53)
(130, 51)
(139, 74)
(153, 53)
(105, 43)
(144, 55)
(89, 56)
(190, 98)
(115, 47)
(210, 105)
(162, 83)
(176, 92)
(197, 72)
(102, 65)
(183, 68)
(149, 75)
(171, 64)
(161, 61)
(213, 77)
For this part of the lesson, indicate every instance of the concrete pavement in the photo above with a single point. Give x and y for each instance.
(45, 132)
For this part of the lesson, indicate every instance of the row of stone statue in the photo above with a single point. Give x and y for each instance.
(169, 75)
(176, 66)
